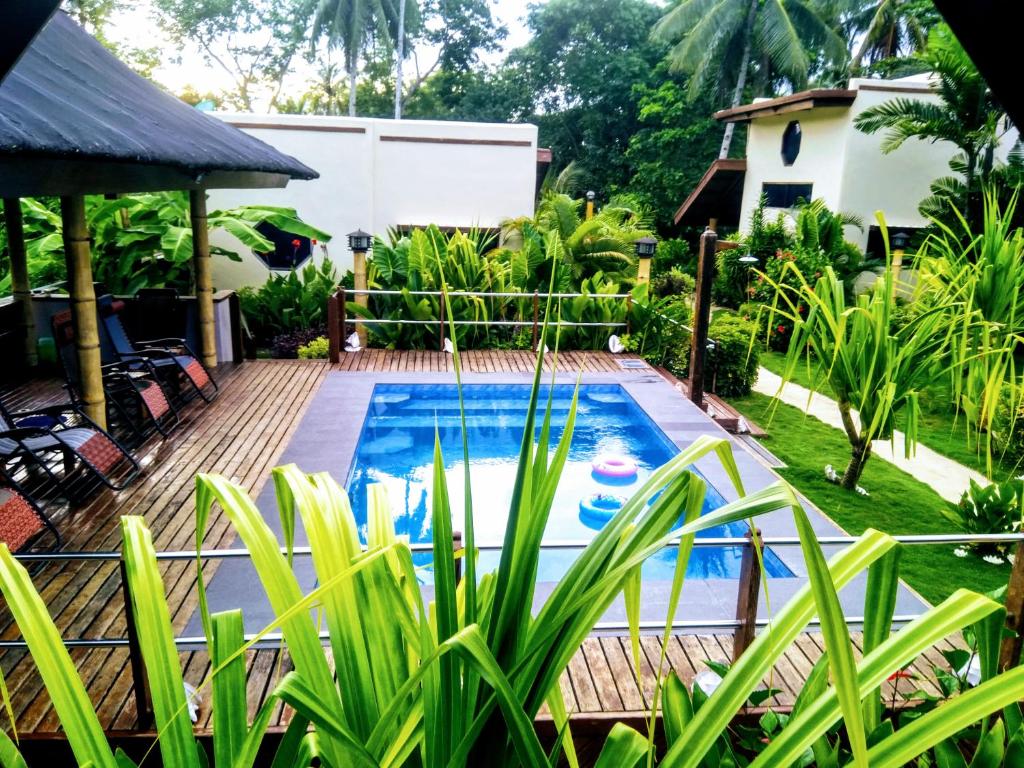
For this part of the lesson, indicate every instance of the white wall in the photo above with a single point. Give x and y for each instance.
(376, 174)
(819, 162)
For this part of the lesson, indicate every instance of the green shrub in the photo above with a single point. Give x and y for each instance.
(1008, 428)
(674, 254)
(317, 349)
(994, 508)
(673, 282)
(732, 360)
(288, 303)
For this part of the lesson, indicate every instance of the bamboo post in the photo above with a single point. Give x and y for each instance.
(702, 315)
(204, 277)
(83, 307)
(20, 286)
(590, 205)
(536, 315)
(1010, 649)
(333, 330)
(359, 270)
(140, 685)
(748, 592)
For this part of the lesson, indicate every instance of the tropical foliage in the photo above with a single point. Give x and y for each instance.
(875, 371)
(144, 240)
(966, 116)
(987, 276)
(992, 508)
(459, 680)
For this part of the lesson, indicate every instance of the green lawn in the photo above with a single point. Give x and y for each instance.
(898, 503)
(939, 429)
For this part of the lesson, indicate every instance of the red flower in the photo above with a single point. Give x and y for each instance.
(313, 241)
(898, 674)
(296, 243)
(781, 329)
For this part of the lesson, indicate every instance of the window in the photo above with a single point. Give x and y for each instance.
(791, 143)
(785, 195)
(290, 250)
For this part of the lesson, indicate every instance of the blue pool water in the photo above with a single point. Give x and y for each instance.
(396, 448)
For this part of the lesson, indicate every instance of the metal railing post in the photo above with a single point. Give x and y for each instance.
(140, 685)
(1010, 649)
(333, 330)
(457, 545)
(536, 315)
(343, 315)
(441, 313)
(749, 590)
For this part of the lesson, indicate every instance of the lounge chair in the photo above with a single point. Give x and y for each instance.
(22, 520)
(171, 360)
(76, 453)
(134, 399)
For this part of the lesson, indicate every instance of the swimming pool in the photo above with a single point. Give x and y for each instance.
(396, 447)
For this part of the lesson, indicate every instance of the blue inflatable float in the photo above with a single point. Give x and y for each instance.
(598, 508)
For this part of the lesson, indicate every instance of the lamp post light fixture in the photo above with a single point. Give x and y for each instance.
(359, 243)
(750, 260)
(645, 248)
(590, 204)
(899, 241)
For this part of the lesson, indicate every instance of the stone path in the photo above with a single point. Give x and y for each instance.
(947, 477)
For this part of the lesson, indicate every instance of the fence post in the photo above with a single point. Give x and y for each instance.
(443, 302)
(747, 596)
(702, 315)
(343, 311)
(629, 311)
(536, 314)
(140, 686)
(1009, 650)
(457, 545)
(333, 330)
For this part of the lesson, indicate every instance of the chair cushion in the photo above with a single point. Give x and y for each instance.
(18, 521)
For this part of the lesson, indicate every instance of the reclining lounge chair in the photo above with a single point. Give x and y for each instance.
(22, 521)
(170, 360)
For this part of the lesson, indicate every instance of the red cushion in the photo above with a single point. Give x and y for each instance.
(18, 521)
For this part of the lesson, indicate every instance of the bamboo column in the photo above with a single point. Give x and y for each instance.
(83, 306)
(204, 277)
(359, 282)
(20, 286)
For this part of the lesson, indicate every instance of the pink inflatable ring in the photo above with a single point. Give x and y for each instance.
(615, 467)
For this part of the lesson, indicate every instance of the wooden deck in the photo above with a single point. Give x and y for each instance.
(241, 435)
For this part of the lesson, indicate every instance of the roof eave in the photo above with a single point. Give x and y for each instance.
(795, 102)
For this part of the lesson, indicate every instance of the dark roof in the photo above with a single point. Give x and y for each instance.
(74, 120)
(718, 195)
(794, 102)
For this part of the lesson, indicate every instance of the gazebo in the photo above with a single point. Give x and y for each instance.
(76, 121)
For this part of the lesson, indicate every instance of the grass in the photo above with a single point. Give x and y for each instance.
(898, 504)
(939, 429)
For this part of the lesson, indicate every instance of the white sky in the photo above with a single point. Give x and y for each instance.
(137, 26)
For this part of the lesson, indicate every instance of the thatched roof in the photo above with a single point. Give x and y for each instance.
(76, 120)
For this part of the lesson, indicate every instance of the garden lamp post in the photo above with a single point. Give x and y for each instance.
(645, 248)
(359, 244)
(750, 260)
(900, 240)
(590, 204)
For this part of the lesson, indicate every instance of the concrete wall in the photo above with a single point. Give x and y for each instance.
(820, 161)
(377, 174)
(847, 167)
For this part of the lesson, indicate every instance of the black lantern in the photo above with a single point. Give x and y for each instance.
(900, 240)
(645, 247)
(359, 241)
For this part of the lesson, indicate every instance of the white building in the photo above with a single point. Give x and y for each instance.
(377, 175)
(805, 146)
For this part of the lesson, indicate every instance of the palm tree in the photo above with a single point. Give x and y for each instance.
(887, 28)
(966, 116)
(715, 39)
